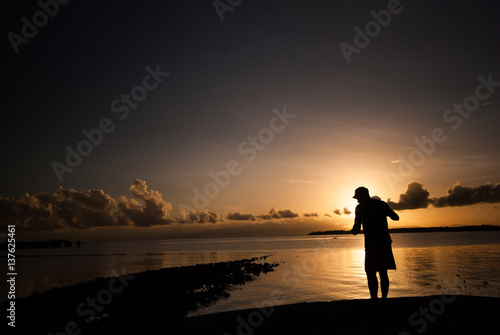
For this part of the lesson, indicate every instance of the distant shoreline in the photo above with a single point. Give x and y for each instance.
(416, 230)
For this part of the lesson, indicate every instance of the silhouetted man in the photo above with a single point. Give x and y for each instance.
(372, 214)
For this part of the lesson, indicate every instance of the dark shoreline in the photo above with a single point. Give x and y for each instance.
(157, 302)
(417, 230)
(128, 300)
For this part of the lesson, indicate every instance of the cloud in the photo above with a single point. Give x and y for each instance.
(240, 216)
(155, 210)
(274, 213)
(416, 196)
(285, 214)
(460, 195)
(83, 210)
(340, 212)
(68, 208)
(200, 217)
(28, 212)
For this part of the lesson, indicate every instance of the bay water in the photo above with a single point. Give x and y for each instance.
(312, 268)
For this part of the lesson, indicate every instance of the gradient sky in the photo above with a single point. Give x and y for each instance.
(354, 123)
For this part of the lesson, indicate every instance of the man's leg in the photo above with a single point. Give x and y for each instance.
(384, 283)
(372, 283)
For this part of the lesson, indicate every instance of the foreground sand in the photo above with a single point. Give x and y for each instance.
(156, 302)
(465, 315)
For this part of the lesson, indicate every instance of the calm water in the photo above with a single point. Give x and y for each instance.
(313, 268)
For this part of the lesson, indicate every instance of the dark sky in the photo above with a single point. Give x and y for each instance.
(226, 77)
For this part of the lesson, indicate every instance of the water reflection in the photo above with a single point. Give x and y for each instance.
(470, 270)
(327, 274)
(323, 273)
(419, 264)
(314, 268)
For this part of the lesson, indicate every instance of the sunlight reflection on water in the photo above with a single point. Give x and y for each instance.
(337, 274)
(313, 268)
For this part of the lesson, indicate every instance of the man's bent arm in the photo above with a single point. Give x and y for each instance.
(392, 214)
(357, 226)
(357, 223)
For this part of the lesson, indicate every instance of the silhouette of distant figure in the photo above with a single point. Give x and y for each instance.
(372, 214)
(78, 244)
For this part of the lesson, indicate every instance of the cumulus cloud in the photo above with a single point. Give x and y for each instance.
(240, 216)
(81, 210)
(416, 196)
(200, 217)
(155, 210)
(68, 208)
(460, 195)
(339, 212)
(274, 213)
(282, 214)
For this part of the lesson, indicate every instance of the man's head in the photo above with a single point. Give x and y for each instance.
(361, 194)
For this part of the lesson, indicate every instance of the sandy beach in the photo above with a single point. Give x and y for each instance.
(412, 315)
(156, 302)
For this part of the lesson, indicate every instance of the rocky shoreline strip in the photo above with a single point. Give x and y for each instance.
(118, 304)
